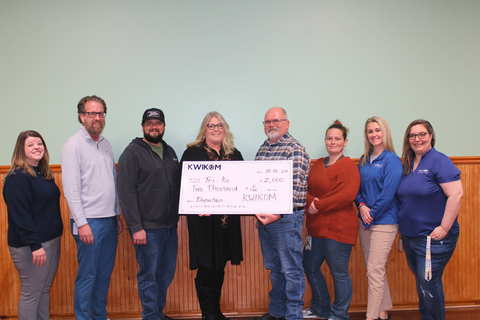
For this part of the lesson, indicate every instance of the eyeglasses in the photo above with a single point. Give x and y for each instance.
(94, 114)
(420, 135)
(275, 122)
(213, 126)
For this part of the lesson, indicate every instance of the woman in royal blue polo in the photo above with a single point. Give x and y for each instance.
(430, 195)
(380, 171)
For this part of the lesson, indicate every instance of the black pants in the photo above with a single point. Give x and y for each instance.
(209, 284)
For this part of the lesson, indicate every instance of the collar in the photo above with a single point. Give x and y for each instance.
(325, 160)
(380, 156)
(204, 144)
(428, 152)
(88, 136)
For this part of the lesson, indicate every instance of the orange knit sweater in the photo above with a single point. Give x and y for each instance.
(336, 188)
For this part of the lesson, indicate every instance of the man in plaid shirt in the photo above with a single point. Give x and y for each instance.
(280, 235)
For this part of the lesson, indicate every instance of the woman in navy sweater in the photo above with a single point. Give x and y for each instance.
(380, 171)
(34, 223)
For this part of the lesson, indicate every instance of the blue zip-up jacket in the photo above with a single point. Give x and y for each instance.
(378, 185)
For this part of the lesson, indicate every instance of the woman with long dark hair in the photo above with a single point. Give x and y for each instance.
(430, 196)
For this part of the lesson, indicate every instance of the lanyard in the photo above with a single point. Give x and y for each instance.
(428, 261)
(308, 242)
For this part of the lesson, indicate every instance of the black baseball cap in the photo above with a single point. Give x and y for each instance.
(153, 113)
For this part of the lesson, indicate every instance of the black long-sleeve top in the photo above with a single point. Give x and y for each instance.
(211, 242)
(33, 206)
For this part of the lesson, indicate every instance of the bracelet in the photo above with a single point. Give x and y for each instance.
(360, 205)
(443, 228)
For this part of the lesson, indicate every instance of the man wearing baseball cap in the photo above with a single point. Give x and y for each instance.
(148, 183)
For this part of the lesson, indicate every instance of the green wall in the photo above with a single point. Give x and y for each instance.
(320, 60)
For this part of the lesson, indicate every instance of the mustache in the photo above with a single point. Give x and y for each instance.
(273, 129)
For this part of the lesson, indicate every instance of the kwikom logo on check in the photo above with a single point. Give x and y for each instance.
(196, 166)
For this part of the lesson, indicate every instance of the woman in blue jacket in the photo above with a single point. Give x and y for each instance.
(380, 171)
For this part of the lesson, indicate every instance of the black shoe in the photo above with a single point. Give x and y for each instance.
(268, 316)
(384, 319)
(165, 317)
(220, 316)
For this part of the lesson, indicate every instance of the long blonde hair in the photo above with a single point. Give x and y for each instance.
(386, 140)
(227, 142)
(19, 160)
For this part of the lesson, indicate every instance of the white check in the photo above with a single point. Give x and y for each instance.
(236, 187)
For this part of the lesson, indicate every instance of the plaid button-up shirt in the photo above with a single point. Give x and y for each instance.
(288, 148)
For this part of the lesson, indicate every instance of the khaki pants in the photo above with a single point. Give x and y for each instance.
(376, 245)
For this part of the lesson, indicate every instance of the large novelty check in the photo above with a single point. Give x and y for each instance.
(236, 187)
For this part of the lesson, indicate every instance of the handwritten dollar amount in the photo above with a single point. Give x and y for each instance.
(272, 180)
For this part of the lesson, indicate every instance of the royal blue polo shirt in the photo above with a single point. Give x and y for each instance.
(422, 200)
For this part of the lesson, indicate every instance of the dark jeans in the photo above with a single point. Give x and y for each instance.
(430, 293)
(337, 255)
(157, 261)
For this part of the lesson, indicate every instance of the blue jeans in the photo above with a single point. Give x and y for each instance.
(95, 266)
(281, 243)
(430, 293)
(337, 255)
(157, 261)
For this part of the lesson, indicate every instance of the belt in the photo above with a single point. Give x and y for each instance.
(298, 209)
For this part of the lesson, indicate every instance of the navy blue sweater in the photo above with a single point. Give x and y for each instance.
(33, 210)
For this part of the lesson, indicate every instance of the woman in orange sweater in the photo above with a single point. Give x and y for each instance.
(332, 224)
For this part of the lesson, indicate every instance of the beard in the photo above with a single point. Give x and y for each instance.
(273, 133)
(153, 139)
(94, 130)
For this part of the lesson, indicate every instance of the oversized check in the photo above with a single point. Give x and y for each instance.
(236, 187)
